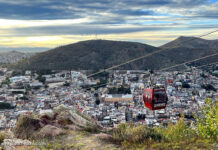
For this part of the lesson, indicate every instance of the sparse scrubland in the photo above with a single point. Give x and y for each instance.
(201, 135)
(69, 129)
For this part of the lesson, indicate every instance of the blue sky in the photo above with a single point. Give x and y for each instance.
(51, 23)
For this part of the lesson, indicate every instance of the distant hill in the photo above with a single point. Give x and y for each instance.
(13, 56)
(94, 55)
(189, 48)
(100, 54)
(192, 42)
(24, 49)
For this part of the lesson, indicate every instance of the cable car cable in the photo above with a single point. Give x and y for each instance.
(147, 55)
(187, 62)
(207, 64)
(173, 67)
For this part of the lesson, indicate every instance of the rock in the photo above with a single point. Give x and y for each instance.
(50, 125)
(60, 109)
(48, 115)
(50, 131)
(104, 137)
(63, 118)
(13, 144)
(70, 115)
(16, 142)
(26, 126)
(72, 127)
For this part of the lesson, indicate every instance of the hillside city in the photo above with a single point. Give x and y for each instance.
(114, 97)
(108, 75)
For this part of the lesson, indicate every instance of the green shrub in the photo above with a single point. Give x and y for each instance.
(177, 132)
(2, 137)
(129, 135)
(207, 123)
(119, 133)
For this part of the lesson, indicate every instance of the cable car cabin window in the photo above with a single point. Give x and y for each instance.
(148, 96)
(159, 96)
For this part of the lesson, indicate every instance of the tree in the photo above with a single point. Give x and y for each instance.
(17, 73)
(185, 85)
(66, 84)
(24, 98)
(6, 81)
(209, 87)
(44, 72)
(5, 106)
(97, 101)
(195, 92)
(41, 79)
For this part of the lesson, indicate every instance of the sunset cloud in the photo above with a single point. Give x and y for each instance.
(49, 23)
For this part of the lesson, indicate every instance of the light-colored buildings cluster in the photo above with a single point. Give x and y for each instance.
(28, 95)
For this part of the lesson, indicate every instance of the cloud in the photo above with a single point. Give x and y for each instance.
(69, 9)
(60, 19)
(82, 30)
(16, 24)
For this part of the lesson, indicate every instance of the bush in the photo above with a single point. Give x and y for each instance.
(174, 136)
(129, 135)
(178, 132)
(2, 137)
(119, 133)
(207, 123)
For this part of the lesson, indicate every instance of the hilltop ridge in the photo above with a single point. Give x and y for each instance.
(100, 54)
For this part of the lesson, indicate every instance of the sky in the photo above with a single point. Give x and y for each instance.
(50, 23)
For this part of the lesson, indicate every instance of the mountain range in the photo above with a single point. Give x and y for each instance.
(100, 54)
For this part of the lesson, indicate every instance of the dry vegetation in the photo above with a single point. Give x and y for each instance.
(203, 135)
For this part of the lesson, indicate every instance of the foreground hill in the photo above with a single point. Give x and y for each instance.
(100, 54)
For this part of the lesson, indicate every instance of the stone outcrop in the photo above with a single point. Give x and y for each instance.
(50, 131)
(53, 124)
(13, 144)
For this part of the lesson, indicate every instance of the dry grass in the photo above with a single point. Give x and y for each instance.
(79, 140)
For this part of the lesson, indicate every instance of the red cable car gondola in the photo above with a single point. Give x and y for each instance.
(155, 97)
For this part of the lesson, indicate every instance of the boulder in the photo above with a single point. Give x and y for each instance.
(48, 115)
(70, 115)
(26, 126)
(50, 131)
(14, 144)
(53, 124)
